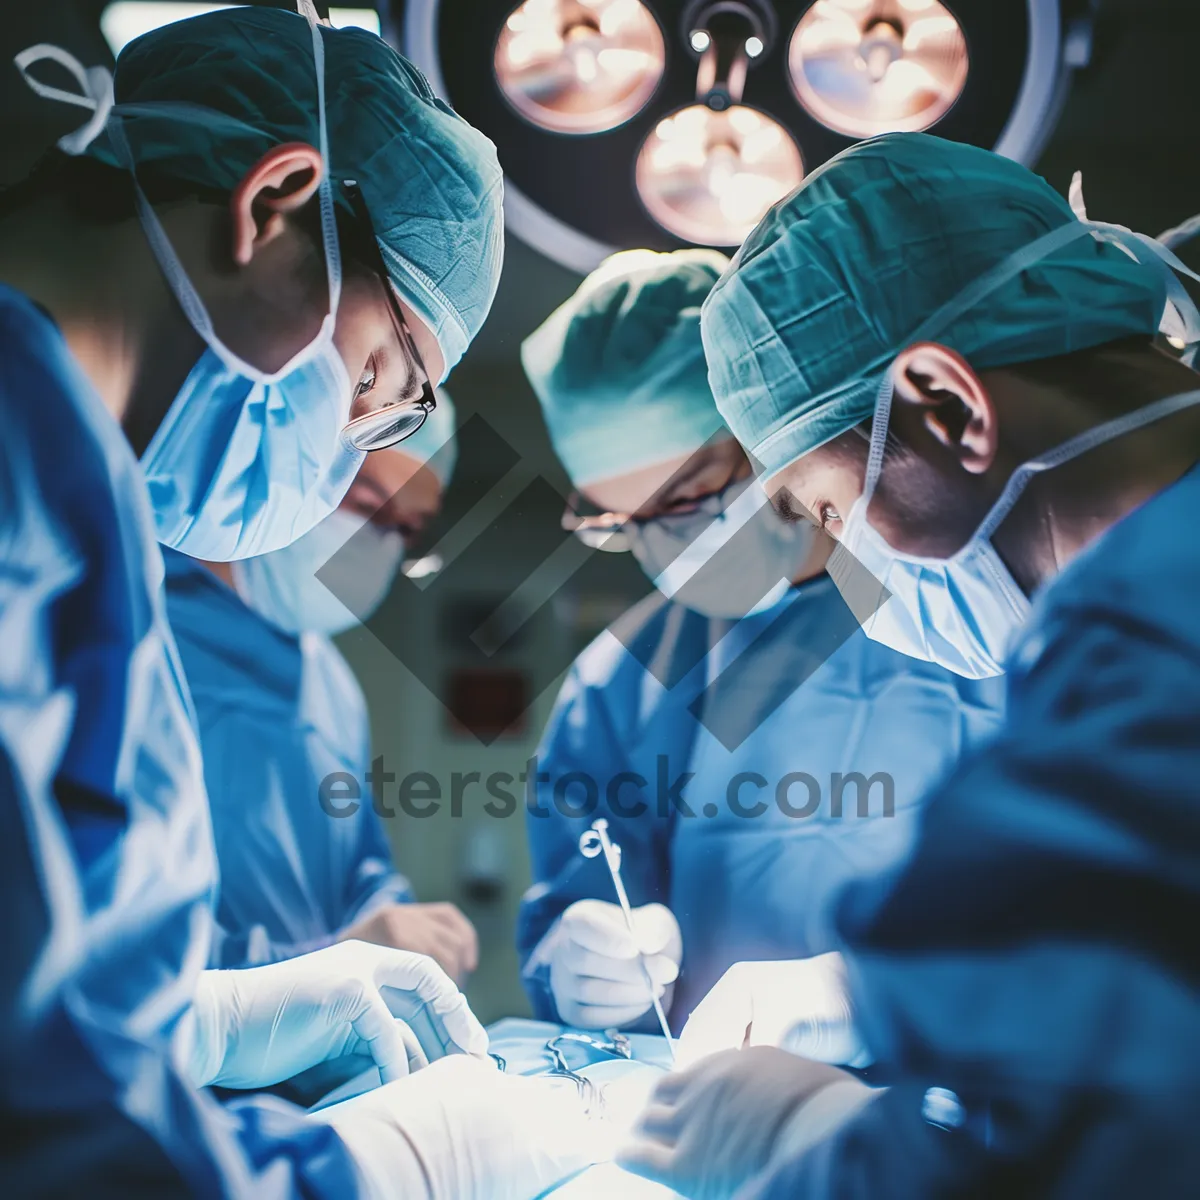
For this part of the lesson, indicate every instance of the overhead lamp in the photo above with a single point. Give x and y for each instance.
(708, 172)
(579, 66)
(708, 177)
(865, 67)
(592, 166)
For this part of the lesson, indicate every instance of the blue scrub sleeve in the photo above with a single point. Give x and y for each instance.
(887, 1149)
(1033, 957)
(75, 1128)
(1080, 1145)
(373, 881)
(105, 861)
(582, 740)
(253, 947)
(370, 881)
(372, 884)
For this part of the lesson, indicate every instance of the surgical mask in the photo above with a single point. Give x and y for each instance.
(245, 461)
(962, 612)
(328, 581)
(732, 557)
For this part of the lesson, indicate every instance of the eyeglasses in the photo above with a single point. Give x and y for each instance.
(595, 529)
(399, 420)
(615, 532)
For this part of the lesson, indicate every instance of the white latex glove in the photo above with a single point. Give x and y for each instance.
(462, 1130)
(801, 1004)
(708, 1130)
(595, 974)
(259, 1026)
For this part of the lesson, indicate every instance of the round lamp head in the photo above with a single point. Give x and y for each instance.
(579, 66)
(709, 177)
(866, 67)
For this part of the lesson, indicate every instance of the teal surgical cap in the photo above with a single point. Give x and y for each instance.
(435, 444)
(201, 100)
(619, 369)
(836, 279)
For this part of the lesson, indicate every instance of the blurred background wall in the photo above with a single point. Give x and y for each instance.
(1129, 123)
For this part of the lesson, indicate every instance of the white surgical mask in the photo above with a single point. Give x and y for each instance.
(962, 612)
(357, 564)
(959, 612)
(731, 558)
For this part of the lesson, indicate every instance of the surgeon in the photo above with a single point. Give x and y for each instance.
(281, 714)
(251, 264)
(750, 748)
(959, 375)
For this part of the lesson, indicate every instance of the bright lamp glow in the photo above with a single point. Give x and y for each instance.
(579, 66)
(709, 177)
(865, 67)
(125, 20)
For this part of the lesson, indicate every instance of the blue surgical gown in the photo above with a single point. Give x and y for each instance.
(107, 871)
(1037, 953)
(279, 715)
(732, 718)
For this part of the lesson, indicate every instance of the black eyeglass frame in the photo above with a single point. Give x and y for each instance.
(427, 401)
(612, 531)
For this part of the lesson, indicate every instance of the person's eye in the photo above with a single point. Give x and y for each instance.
(826, 514)
(366, 381)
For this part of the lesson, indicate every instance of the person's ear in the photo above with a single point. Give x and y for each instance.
(958, 409)
(280, 183)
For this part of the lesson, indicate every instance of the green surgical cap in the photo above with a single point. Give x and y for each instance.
(619, 369)
(435, 444)
(203, 99)
(837, 278)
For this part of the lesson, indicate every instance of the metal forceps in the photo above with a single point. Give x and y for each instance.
(591, 845)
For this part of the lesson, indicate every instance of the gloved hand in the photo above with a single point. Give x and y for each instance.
(711, 1128)
(801, 1004)
(595, 976)
(462, 1130)
(259, 1026)
(439, 930)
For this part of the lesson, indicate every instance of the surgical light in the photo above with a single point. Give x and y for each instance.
(579, 66)
(586, 170)
(708, 172)
(709, 177)
(865, 67)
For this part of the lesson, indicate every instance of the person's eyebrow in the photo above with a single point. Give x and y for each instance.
(693, 469)
(683, 476)
(786, 509)
(689, 471)
(407, 386)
